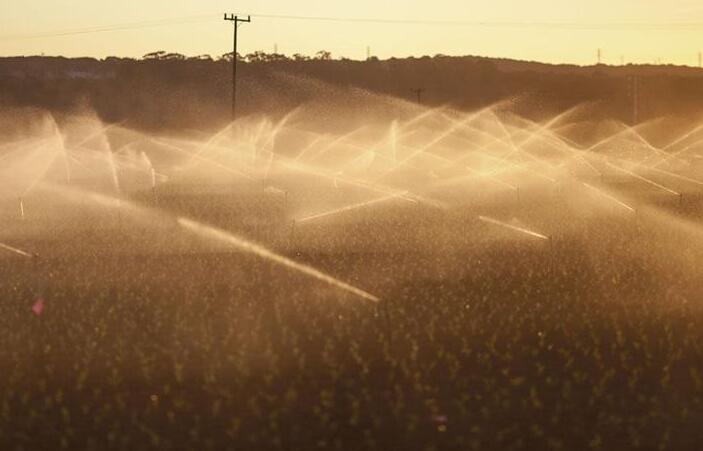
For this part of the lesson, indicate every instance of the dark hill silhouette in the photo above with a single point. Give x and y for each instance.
(169, 91)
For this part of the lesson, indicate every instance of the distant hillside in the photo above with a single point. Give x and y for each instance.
(171, 91)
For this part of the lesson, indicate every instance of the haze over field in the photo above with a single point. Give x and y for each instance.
(391, 254)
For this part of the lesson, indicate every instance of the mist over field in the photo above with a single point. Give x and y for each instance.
(508, 258)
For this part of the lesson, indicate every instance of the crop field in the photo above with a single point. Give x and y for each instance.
(426, 279)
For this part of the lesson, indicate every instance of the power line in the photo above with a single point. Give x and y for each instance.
(108, 28)
(635, 26)
(585, 26)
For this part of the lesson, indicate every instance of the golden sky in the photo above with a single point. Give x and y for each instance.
(521, 29)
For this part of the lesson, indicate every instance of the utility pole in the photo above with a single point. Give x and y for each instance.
(236, 21)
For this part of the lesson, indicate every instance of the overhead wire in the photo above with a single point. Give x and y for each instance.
(203, 18)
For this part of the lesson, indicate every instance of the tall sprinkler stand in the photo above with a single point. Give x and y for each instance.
(292, 232)
(552, 258)
(384, 315)
(35, 261)
(153, 187)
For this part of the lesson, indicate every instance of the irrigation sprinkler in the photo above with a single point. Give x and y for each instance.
(291, 237)
(384, 315)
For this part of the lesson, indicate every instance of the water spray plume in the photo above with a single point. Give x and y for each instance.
(676, 154)
(252, 248)
(309, 147)
(513, 228)
(113, 171)
(644, 179)
(177, 149)
(424, 148)
(329, 146)
(16, 251)
(349, 208)
(604, 194)
(374, 187)
(196, 155)
(676, 176)
(62, 146)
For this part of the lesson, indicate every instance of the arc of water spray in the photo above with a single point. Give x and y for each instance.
(177, 149)
(8, 154)
(62, 145)
(644, 179)
(514, 228)
(14, 250)
(424, 148)
(608, 196)
(562, 144)
(309, 146)
(198, 153)
(676, 176)
(675, 155)
(252, 248)
(349, 208)
(212, 233)
(42, 173)
(327, 147)
(374, 187)
(505, 159)
(475, 172)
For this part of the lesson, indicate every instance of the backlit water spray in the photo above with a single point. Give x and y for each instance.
(252, 248)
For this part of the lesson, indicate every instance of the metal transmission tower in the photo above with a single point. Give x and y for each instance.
(236, 21)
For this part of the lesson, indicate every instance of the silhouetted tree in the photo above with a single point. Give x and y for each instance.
(174, 56)
(323, 55)
(256, 57)
(228, 57)
(154, 55)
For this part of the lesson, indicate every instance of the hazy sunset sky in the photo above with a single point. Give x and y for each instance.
(196, 27)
